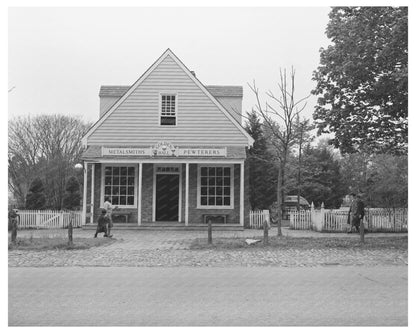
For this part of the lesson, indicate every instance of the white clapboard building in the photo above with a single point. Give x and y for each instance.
(169, 150)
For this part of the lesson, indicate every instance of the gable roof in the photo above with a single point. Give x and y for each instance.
(168, 52)
(216, 91)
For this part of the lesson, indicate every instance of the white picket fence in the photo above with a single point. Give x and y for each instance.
(335, 220)
(257, 218)
(300, 220)
(48, 219)
(380, 219)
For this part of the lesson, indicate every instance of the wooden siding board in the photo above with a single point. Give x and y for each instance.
(130, 122)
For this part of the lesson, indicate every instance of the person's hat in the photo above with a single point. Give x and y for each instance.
(103, 211)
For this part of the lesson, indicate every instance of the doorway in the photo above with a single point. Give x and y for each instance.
(167, 197)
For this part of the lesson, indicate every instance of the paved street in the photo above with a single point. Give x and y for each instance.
(153, 278)
(208, 296)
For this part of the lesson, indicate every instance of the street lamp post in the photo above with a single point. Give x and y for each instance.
(78, 168)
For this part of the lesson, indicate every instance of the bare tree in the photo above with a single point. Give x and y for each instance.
(45, 146)
(279, 118)
(303, 128)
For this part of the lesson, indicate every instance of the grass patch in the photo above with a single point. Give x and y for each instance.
(57, 243)
(304, 243)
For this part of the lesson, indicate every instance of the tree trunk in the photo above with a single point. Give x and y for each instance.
(279, 200)
(299, 166)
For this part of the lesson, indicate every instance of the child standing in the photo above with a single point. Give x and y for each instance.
(109, 208)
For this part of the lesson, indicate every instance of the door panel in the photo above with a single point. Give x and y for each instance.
(167, 197)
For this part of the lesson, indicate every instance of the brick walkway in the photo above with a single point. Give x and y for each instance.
(149, 248)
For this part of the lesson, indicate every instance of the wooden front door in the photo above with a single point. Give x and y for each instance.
(167, 197)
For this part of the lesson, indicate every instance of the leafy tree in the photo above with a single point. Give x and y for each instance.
(388, 181)
(35, 199)
(355, 170)
(262, 170)
(72, 197)
(45, 147)
(381, 178)
(322, 181)
(362, 80)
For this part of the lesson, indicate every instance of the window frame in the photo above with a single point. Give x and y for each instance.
(168, 93)
(198, 204)
(104, 165)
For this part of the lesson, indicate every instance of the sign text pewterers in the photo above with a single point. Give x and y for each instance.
(211, 152)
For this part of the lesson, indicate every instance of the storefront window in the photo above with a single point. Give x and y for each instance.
(119, 183)
(215, 186)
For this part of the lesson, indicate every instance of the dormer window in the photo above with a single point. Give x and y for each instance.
(168, 103)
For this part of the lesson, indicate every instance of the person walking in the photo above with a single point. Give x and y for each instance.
(356, 212)
(102, 224)
(109, 208)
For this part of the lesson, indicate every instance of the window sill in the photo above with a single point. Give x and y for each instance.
(214, 207)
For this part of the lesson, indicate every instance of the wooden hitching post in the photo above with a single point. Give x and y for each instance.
(14, 230)
(362, 230)
(70, 229)
(209, 232)
(265, 233)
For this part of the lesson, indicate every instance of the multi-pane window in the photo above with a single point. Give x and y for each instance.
(119, 184)
(215, 183)
(168, 110)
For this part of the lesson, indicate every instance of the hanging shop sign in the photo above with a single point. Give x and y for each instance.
(165, 149)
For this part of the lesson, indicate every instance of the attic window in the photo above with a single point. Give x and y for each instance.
(168, 110)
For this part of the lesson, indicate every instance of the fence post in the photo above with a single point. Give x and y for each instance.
(209, 232)
(267, 216)
(321, 218)
(313, 216)
(37, 218)
(291, 219)
(61, 219)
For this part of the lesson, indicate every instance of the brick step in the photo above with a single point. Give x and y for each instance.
(166, 226)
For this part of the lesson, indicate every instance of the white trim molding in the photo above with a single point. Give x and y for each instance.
(92, 192)
(242, 194)
(84, 194)
(186, 194)
(139, 196)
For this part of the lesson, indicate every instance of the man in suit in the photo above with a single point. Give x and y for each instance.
(356, 212)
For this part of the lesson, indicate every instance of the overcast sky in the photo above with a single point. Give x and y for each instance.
(59, 57)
